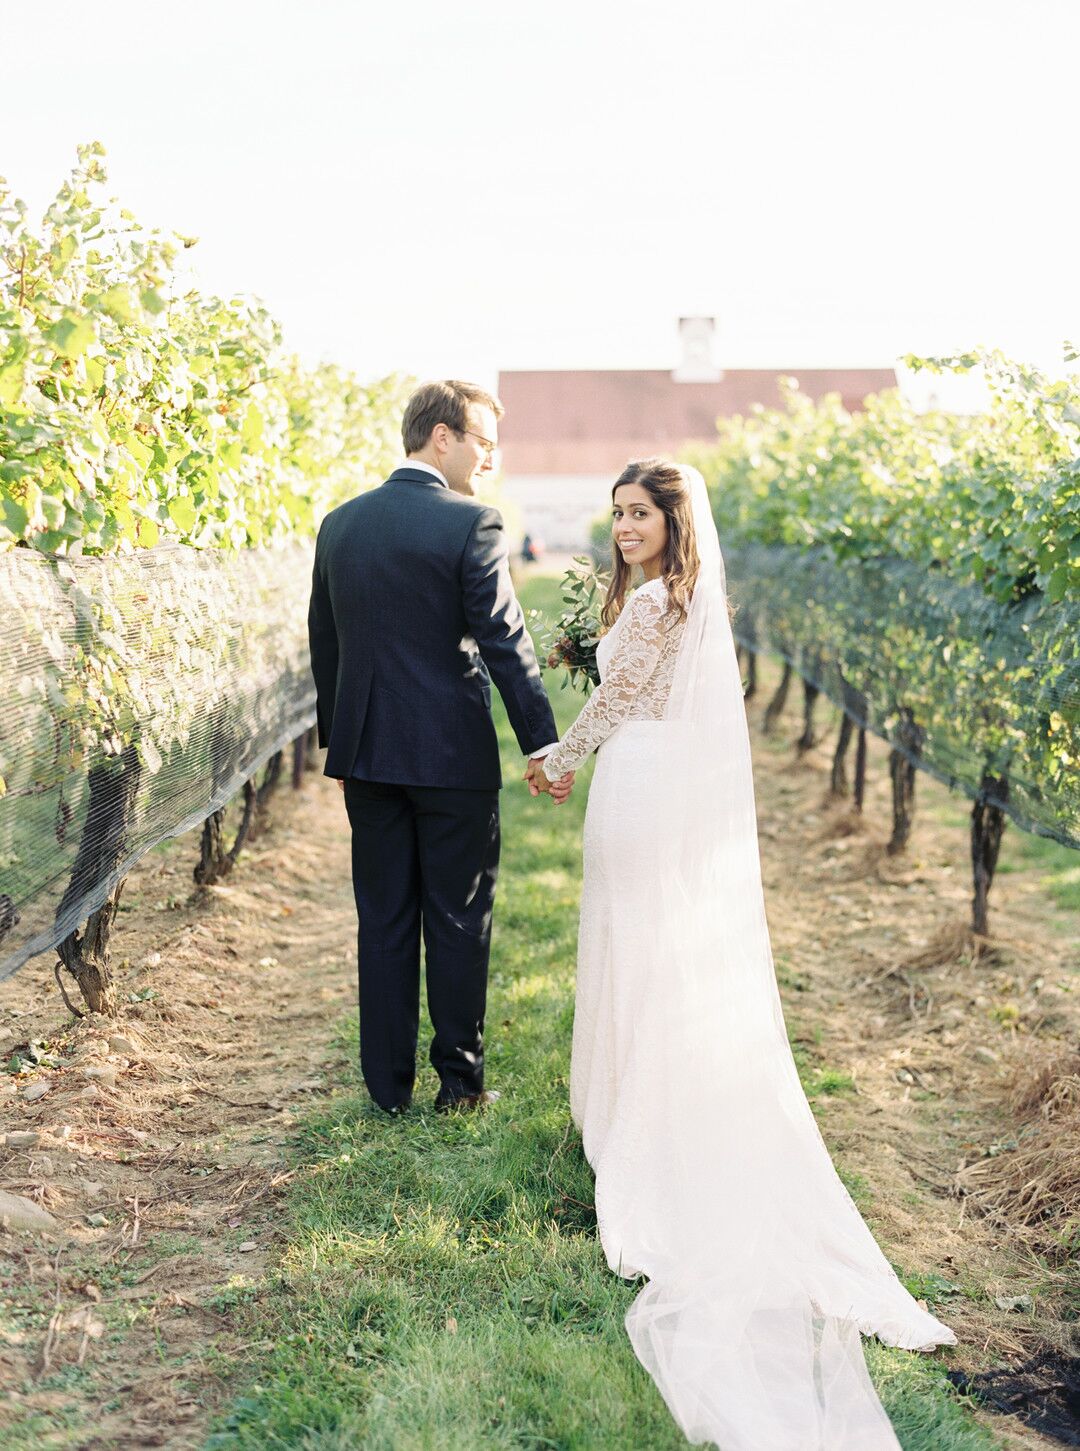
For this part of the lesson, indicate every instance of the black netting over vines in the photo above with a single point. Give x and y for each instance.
(982, 695)
(137, 694)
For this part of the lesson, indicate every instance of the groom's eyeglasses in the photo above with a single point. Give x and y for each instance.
(489, 447)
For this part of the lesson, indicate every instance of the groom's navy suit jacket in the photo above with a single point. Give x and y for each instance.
(412, 616)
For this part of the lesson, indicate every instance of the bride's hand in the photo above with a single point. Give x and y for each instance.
(562, 788)
(559, 790)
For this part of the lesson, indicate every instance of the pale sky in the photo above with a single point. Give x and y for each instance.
(451, 191)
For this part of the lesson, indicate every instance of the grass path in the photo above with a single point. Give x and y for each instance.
(440, 1283)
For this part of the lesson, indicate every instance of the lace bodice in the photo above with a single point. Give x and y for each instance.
(637, 666)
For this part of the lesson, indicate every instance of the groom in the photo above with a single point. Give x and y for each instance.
(412, 616)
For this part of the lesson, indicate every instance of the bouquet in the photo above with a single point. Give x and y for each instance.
(570, 643)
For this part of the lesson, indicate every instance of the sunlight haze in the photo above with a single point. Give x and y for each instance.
(462, 191)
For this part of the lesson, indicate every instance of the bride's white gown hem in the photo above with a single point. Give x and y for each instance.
(712, 1178)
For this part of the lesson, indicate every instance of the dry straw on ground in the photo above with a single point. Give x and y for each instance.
(1036, 1184)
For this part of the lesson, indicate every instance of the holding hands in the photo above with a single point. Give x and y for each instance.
(540, 785)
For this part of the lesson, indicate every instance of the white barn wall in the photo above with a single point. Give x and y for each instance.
(559, 508)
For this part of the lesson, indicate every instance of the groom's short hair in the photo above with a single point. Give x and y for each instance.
(447, 402)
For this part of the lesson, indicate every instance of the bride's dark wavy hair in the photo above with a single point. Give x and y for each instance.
(667, 488)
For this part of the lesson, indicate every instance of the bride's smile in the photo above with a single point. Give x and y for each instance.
(639, 528)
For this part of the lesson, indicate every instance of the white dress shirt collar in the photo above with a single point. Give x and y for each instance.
(415, 463)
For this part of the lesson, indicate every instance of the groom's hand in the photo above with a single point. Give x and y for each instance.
(540, 785)
(534, 776)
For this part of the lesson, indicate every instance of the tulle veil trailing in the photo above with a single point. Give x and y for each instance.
(712, 1179)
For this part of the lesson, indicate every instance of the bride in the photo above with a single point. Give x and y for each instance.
(712, 1179)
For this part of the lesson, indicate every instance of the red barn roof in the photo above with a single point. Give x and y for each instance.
(592, 422)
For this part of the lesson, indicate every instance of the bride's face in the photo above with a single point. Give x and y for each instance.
(638, 526)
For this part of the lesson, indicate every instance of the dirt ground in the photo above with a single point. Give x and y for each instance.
(163, 1156)
(941, 1048)
(166, 1172)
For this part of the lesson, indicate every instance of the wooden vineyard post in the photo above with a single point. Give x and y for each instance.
(246, 822)
(751, 675)
(211, 849)
(265, 789)
(860, 770)
(808, 739)
(838, 784)
(902, 774)
(214, 861)
(987, 826)
(270, 781)
(86, 957)
(854, 706)
(113, 784)
(751, 652)
(9, 916)
(776, 705)
(299, 753)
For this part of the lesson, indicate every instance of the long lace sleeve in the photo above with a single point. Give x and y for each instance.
(635, 657)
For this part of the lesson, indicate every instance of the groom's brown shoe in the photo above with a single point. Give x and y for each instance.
(467, 1101)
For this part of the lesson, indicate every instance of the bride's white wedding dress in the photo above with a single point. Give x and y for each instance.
(712, 1178)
